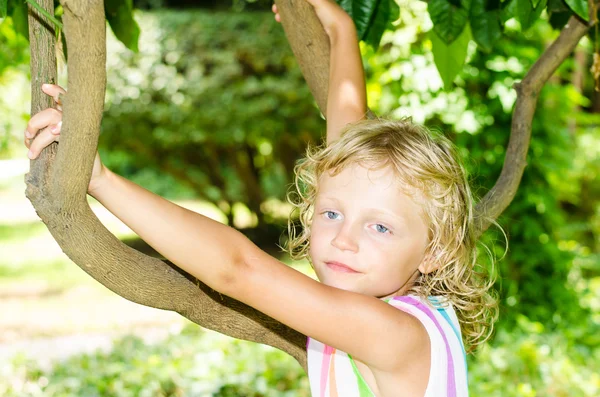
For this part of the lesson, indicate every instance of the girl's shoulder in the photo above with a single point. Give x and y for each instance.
(448, 356)
(435, 313)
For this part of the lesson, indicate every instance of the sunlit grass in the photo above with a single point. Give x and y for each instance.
(19, 231)
(54, 274)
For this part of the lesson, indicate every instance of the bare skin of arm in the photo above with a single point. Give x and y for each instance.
(347, 96)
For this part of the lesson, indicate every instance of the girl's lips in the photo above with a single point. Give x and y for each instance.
(340, 267)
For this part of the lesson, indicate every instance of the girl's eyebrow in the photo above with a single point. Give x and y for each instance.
(380, 211)
(330, 198)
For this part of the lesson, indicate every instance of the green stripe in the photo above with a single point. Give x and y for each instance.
(363, 388)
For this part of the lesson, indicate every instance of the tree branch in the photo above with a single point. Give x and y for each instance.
(503, 192)
(57, 185)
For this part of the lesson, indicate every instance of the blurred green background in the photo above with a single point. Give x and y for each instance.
(212, 112)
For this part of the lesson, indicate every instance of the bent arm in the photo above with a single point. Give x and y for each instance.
(347, 96)
(197, 244)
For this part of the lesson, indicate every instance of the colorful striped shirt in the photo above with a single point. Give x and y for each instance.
(333, 373)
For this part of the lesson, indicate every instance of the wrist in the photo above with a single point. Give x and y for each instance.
(98, 182)
(343, 28)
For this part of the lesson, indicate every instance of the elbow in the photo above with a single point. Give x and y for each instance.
(233, 274)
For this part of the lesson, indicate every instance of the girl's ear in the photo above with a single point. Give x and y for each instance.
(429, 263)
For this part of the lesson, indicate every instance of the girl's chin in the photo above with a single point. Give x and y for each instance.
(338, 284)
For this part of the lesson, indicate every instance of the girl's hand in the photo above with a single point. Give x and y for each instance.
(331, 15)
(44, 128)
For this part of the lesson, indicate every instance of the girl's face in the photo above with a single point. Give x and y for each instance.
(367, 236)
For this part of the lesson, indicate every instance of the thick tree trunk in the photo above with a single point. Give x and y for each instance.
(57, 182)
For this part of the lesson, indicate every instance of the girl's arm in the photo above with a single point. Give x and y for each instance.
(347, 97)
(197, 244)
(230, 263)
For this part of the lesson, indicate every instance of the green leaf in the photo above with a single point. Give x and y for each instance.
(449, 59)
(387, 12)
(557, 6)
(362, 12)
(534, 3)
(63, 40)
(579, 7)
(558, 20)
(449, 19)
(18, 12)
(120, 18)
(3, 8)
(526, 13)
(394, 11)
(485, 25)
(508, 10)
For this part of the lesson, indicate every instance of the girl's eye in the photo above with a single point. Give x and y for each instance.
(331, 215)
(381, 228)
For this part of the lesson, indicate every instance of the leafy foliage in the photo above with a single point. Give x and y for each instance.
(119, 15)
(190, 363)
(580, 8)
(371, 17)
(450, 57)
(549, 280)
(17, 12)
(545, 245)
(485, 25)
(219, 104)
(449, 19)
(526, 362)
(486, 19)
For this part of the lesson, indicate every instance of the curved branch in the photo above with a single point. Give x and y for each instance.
(503, 192)
(57, 185)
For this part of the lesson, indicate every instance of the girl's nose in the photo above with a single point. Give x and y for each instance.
(345, 240)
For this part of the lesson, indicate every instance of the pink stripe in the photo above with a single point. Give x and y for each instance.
(325, 367)
(427, 311)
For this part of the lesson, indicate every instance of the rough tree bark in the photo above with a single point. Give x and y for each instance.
(58, 179)
(528, 90)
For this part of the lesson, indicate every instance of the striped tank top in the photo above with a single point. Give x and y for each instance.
(333, 373)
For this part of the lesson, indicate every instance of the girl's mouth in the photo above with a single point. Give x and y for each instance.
(340, 267)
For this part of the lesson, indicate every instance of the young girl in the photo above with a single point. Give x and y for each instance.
(387, 219)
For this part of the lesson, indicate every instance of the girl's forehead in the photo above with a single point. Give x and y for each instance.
(361, 187)
(358, 176)
(379, 186)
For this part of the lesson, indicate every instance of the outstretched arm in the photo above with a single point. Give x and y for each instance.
(197, 244)
(347, 97)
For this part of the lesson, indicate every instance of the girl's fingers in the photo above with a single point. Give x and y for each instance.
(277, 16)
(54, 91)
(43, 139)
(42, 120)
(55, 129)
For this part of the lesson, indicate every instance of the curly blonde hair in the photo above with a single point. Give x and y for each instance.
(428, 165)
